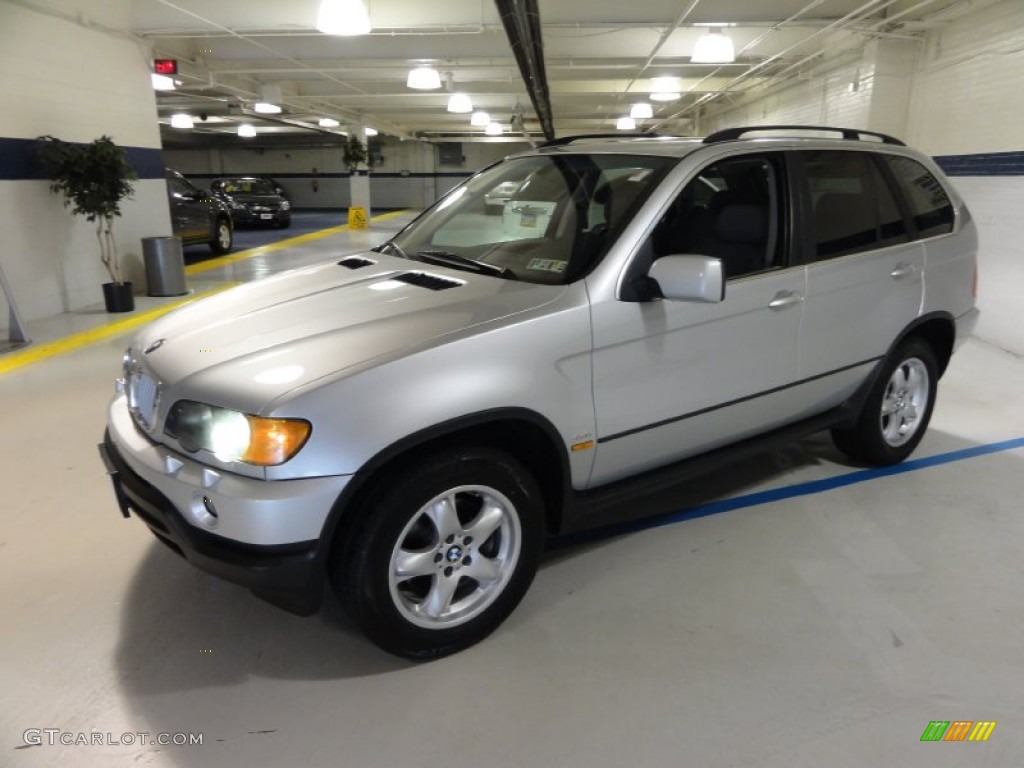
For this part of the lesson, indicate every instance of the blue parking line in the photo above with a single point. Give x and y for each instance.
(780, 494)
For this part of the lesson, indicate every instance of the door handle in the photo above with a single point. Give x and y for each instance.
(901, 270)
(785, 299)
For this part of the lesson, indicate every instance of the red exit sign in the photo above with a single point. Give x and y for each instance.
(165, 66)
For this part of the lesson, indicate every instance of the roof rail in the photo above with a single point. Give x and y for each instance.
(854, 134)
(584, 136)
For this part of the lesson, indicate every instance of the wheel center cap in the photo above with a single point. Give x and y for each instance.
(454, 554)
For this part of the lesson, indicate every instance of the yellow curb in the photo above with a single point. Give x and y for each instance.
(14, 360)
(223, 261)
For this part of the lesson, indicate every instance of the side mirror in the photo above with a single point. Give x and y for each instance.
(689, 278)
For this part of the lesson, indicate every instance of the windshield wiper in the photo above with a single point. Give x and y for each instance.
(391, 244)
(449, 259)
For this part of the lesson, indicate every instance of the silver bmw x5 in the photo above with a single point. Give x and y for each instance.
(409, 424)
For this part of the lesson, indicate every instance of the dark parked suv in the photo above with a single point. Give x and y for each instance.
(196, 216)
(253, 200)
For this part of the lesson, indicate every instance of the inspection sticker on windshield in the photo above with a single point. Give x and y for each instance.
(528, 220)
(547, 265)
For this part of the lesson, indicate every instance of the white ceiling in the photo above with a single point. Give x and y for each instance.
(600, 56)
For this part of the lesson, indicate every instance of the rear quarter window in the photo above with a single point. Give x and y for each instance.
(930, 206)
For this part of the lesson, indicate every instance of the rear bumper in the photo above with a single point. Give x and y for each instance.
(965, 325)
(287, 575)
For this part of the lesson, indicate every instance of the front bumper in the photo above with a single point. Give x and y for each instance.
(266, 534)
(248, 217)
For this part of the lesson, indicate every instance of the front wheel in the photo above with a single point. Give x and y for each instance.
(223, 237)
(445, 552)
(898, 408)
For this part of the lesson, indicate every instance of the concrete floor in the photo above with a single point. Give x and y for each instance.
(826, 629)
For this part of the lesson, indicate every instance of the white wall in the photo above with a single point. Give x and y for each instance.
(76, 80)
(956, 91)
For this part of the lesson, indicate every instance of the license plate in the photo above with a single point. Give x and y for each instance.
(142, 392)
(266, 215)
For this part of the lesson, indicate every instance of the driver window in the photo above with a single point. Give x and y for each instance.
(730, 210)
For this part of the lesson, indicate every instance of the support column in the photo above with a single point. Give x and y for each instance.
(893, 69)
(359, 180)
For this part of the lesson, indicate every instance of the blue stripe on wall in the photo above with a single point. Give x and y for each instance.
(18, 161)
(372, 175)
(985, 164)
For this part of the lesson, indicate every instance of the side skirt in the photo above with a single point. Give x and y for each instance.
(649, 491)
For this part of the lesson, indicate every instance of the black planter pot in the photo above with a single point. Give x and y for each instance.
(119, 298)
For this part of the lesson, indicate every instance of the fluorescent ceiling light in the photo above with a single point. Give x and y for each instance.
(665, 89)
(181, 120)
(625, 123)
(493, 129)
(641, 111)
(480, 119)
(328, 122)
(266, 108)
(424, 79)
(713, 47)
(343, 17)
(460, 103)
(161, 82)
(371, 131)
(246, 131)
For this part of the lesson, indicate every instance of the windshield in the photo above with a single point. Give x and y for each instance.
(245, 187)
(540, 219)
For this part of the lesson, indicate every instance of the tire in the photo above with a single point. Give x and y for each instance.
(414, 576)
(896, 413)
(223, 237)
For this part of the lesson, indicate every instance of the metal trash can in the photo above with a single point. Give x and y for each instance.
(165, 266)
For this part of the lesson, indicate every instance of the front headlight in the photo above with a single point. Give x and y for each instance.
(237, 206)
(286, 206)
(234, 436)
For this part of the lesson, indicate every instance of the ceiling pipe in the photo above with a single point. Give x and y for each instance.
(521, 19)
(665, 35)
(842, 23)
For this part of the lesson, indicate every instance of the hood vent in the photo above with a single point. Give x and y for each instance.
(425, 280)
(356, 262)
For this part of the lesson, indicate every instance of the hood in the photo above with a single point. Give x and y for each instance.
(256, 342)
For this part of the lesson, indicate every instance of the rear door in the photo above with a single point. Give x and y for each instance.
(864, 276)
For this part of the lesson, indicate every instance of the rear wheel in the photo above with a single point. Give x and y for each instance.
(447, 549)
(898, 409)
(223, 237)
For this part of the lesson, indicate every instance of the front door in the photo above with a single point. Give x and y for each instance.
(673, 379)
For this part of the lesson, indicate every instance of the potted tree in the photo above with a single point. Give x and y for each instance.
(94, 178)
(354, 154)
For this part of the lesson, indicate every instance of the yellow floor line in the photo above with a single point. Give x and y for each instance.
(223, 261)
(15, 360)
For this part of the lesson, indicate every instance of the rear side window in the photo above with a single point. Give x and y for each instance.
(853, 208)
(929, 204)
